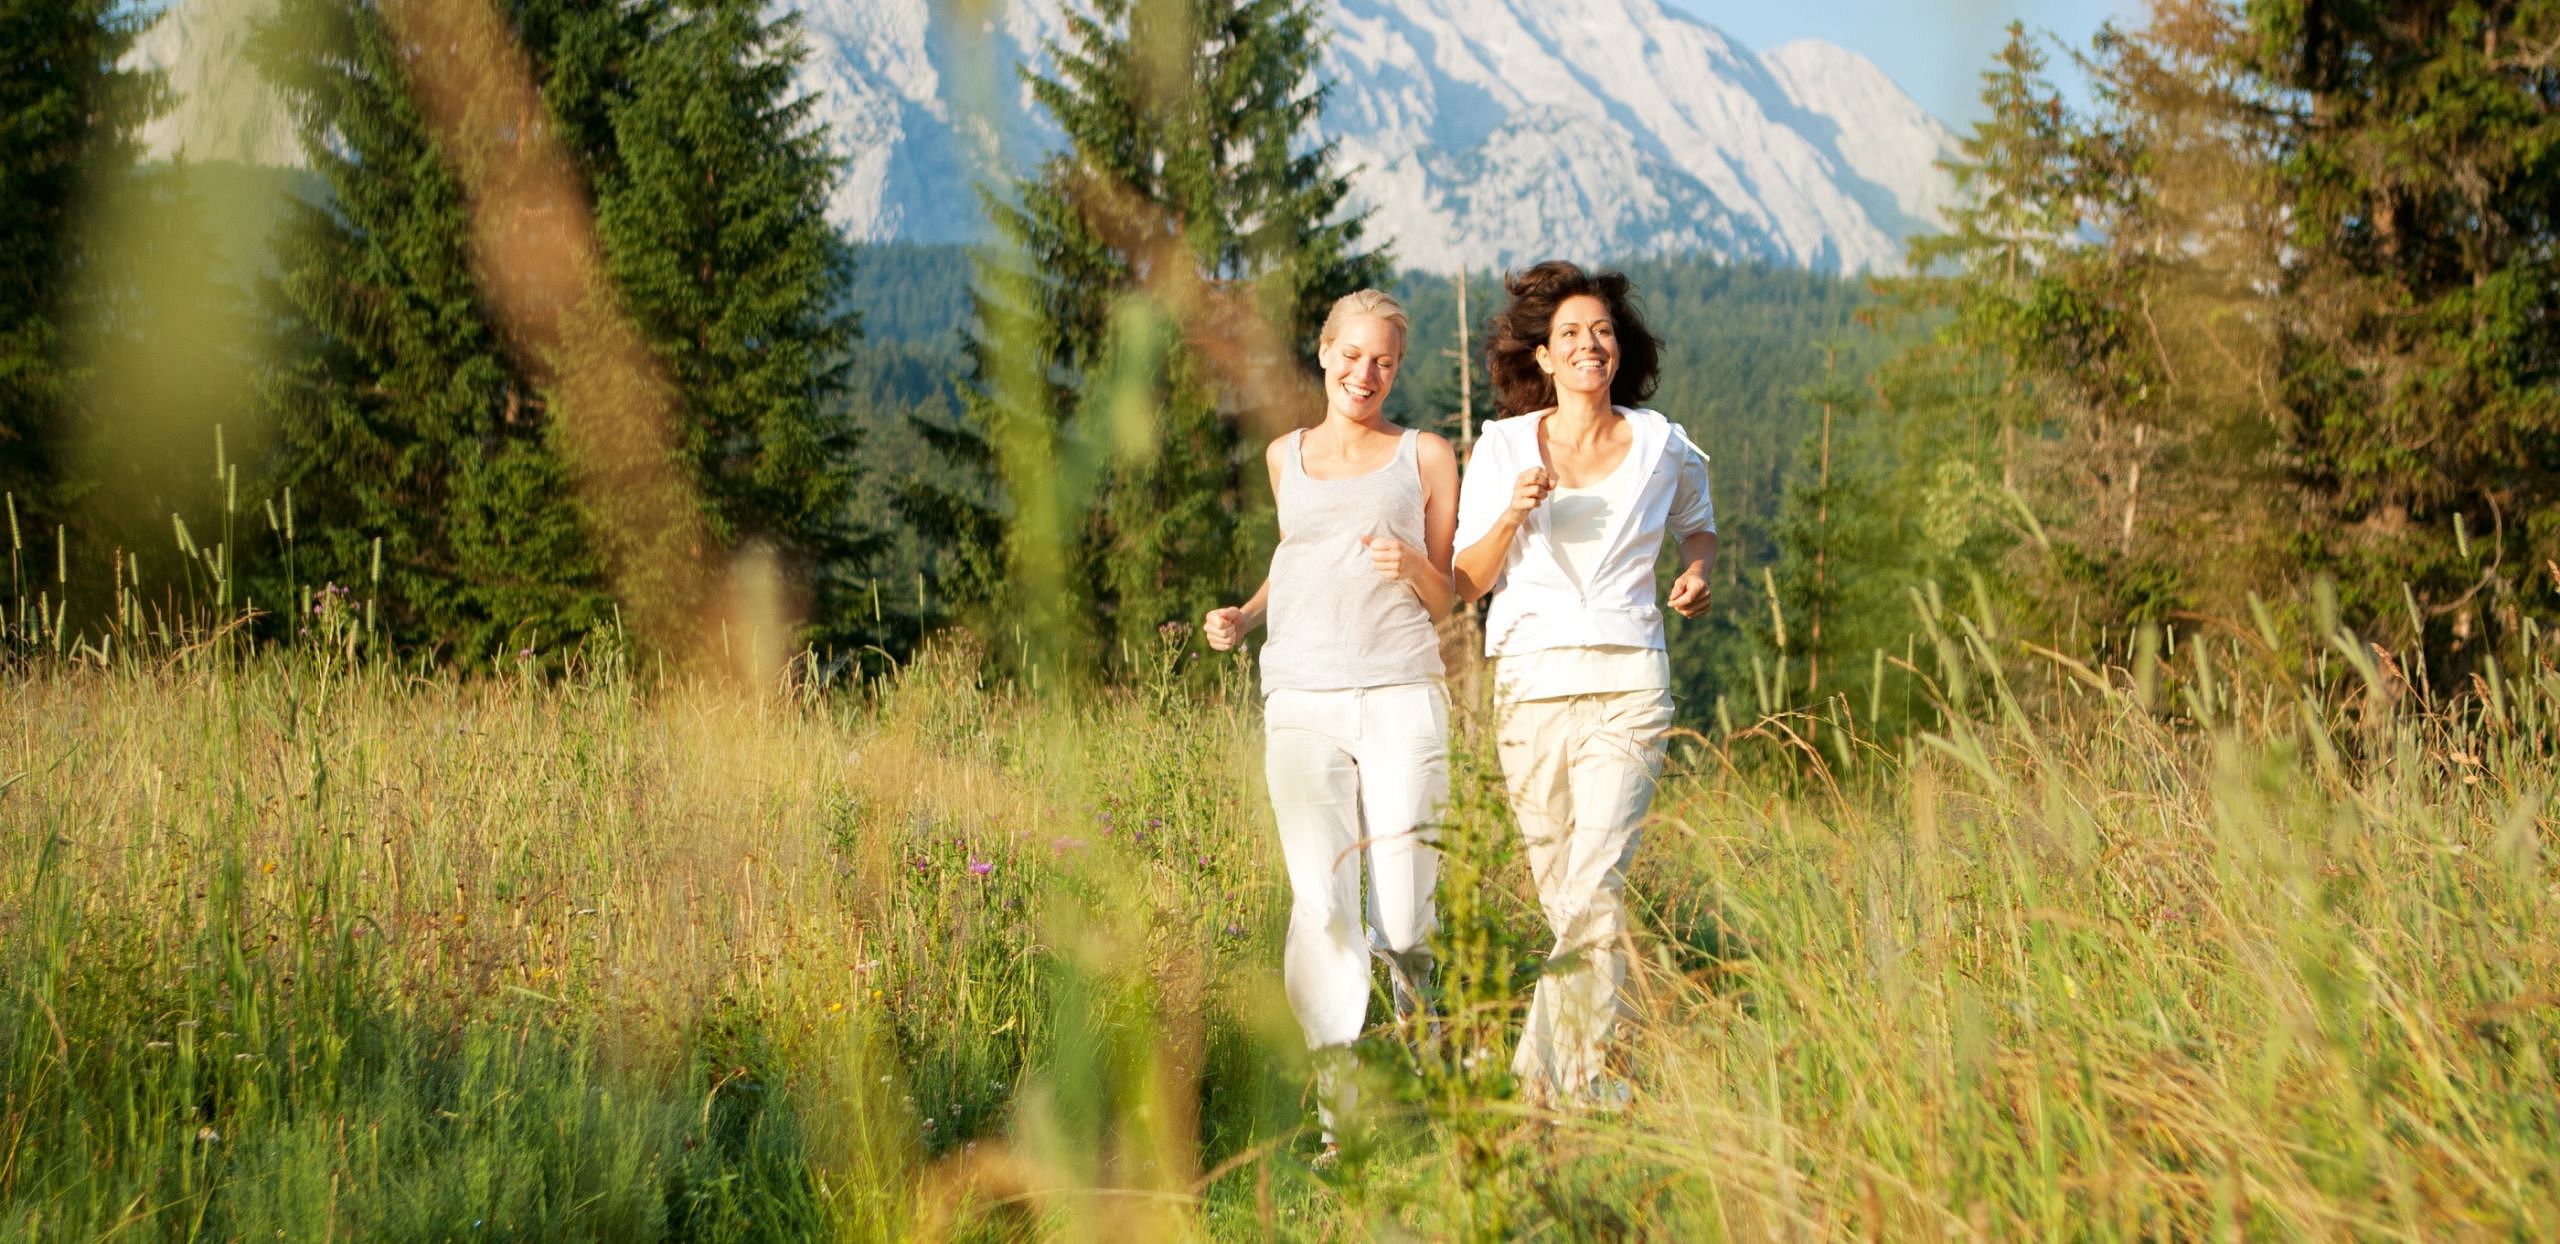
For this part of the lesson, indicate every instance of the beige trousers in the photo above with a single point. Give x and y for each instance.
(1580, 771)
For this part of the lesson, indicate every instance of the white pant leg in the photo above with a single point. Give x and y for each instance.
(1315, 800)
(1582, 772)
(1403, 755)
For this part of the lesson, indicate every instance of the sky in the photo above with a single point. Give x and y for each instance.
(1935, 49)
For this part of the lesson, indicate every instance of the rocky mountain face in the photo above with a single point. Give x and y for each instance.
(1481, 132)
(220, 110)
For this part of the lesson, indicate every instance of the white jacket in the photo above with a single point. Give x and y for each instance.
(1536, 604)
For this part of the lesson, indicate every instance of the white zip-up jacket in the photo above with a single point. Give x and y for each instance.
(1536, 604)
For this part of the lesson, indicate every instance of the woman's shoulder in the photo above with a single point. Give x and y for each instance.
(1675, 439)
(1493, 440)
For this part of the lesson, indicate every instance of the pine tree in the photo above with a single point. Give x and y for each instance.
(2281, 308)
(713, 218)
(70, 110)
(1989, 272)
(2098, 286)
(1899, 488)
(2421, 285)
(412, 423)
(1115, 322)
(415, 453)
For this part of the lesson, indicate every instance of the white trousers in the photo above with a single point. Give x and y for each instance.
(1580, 771)
(1355, 774)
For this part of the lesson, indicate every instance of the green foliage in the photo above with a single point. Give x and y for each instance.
(912, 293)
(409, 437)
(70, 111)
(712, 212)
(2280, 310)
(1833, 613)
(412, 431)
(1103, 471)
(2077, 435)
(1901, 489)
(2418, 173)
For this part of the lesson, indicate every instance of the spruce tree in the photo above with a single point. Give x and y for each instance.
(1105, 470)
(713, 218)
(411, 423)
(417, 452)
(70, 110)
(2420, 176)
(2280, 309)
(2099, 262)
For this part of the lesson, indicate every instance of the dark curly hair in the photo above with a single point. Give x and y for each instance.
(1513, 335)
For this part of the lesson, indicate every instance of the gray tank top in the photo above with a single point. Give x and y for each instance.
(1334, 623)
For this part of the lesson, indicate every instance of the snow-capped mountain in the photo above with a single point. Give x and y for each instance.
(1479, 132)
(222, 111)
(1483, 132)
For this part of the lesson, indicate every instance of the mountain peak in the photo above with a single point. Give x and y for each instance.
(1478, 132)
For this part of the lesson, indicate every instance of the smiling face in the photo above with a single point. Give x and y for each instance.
(1582, 347)
(1360, 365)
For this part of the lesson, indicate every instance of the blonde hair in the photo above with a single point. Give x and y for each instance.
(1377, 302)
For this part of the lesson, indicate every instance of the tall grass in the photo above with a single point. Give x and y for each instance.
(2207, 945)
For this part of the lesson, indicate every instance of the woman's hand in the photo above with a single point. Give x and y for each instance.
(1223, 628)
(1395, 560)
(1531, 489)
(1689, 593)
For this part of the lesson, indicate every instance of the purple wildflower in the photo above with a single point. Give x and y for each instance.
(979, 867)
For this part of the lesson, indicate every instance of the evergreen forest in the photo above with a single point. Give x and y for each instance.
(2232, 333)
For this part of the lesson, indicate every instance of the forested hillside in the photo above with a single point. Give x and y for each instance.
(2229, 341)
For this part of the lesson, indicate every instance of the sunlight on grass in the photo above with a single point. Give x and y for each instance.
(297, 945)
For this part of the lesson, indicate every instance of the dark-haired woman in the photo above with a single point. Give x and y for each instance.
(1562, 517)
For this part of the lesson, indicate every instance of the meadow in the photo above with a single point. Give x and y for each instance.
(301, 945)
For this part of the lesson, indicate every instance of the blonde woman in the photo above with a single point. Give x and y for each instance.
(1355, 713)
(1567, 503)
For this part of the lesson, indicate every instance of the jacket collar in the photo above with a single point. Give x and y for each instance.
(1651, 429)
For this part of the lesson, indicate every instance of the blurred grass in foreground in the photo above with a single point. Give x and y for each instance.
(293, 945)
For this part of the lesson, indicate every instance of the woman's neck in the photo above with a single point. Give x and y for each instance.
(1344, 425)
(1578, 416)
